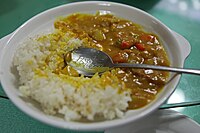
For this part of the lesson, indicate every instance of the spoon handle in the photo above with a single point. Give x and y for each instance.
(161, 68)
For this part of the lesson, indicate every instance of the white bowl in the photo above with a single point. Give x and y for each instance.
(176, 46)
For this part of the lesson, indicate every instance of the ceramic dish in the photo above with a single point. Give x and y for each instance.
(161, 121)
(176, 46)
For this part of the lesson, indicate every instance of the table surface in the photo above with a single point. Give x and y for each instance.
(182, 16)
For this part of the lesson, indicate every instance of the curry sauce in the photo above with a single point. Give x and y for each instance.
(125, 42)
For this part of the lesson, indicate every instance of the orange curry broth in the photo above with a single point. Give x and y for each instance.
(124, 41)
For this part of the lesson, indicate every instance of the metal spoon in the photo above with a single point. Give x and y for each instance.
(88, 61)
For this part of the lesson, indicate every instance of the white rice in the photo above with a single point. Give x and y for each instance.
(74, 98)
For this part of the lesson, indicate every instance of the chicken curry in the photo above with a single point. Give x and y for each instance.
(125, 42)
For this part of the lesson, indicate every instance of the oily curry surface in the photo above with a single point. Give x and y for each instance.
(127, 42)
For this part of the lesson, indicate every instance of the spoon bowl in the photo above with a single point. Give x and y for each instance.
(88, 61)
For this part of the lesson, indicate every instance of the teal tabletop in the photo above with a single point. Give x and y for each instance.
(182, 16)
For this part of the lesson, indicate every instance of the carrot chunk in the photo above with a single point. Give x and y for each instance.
(140, 46)
(125, 45)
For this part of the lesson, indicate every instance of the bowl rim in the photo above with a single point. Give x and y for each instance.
(73, 125)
